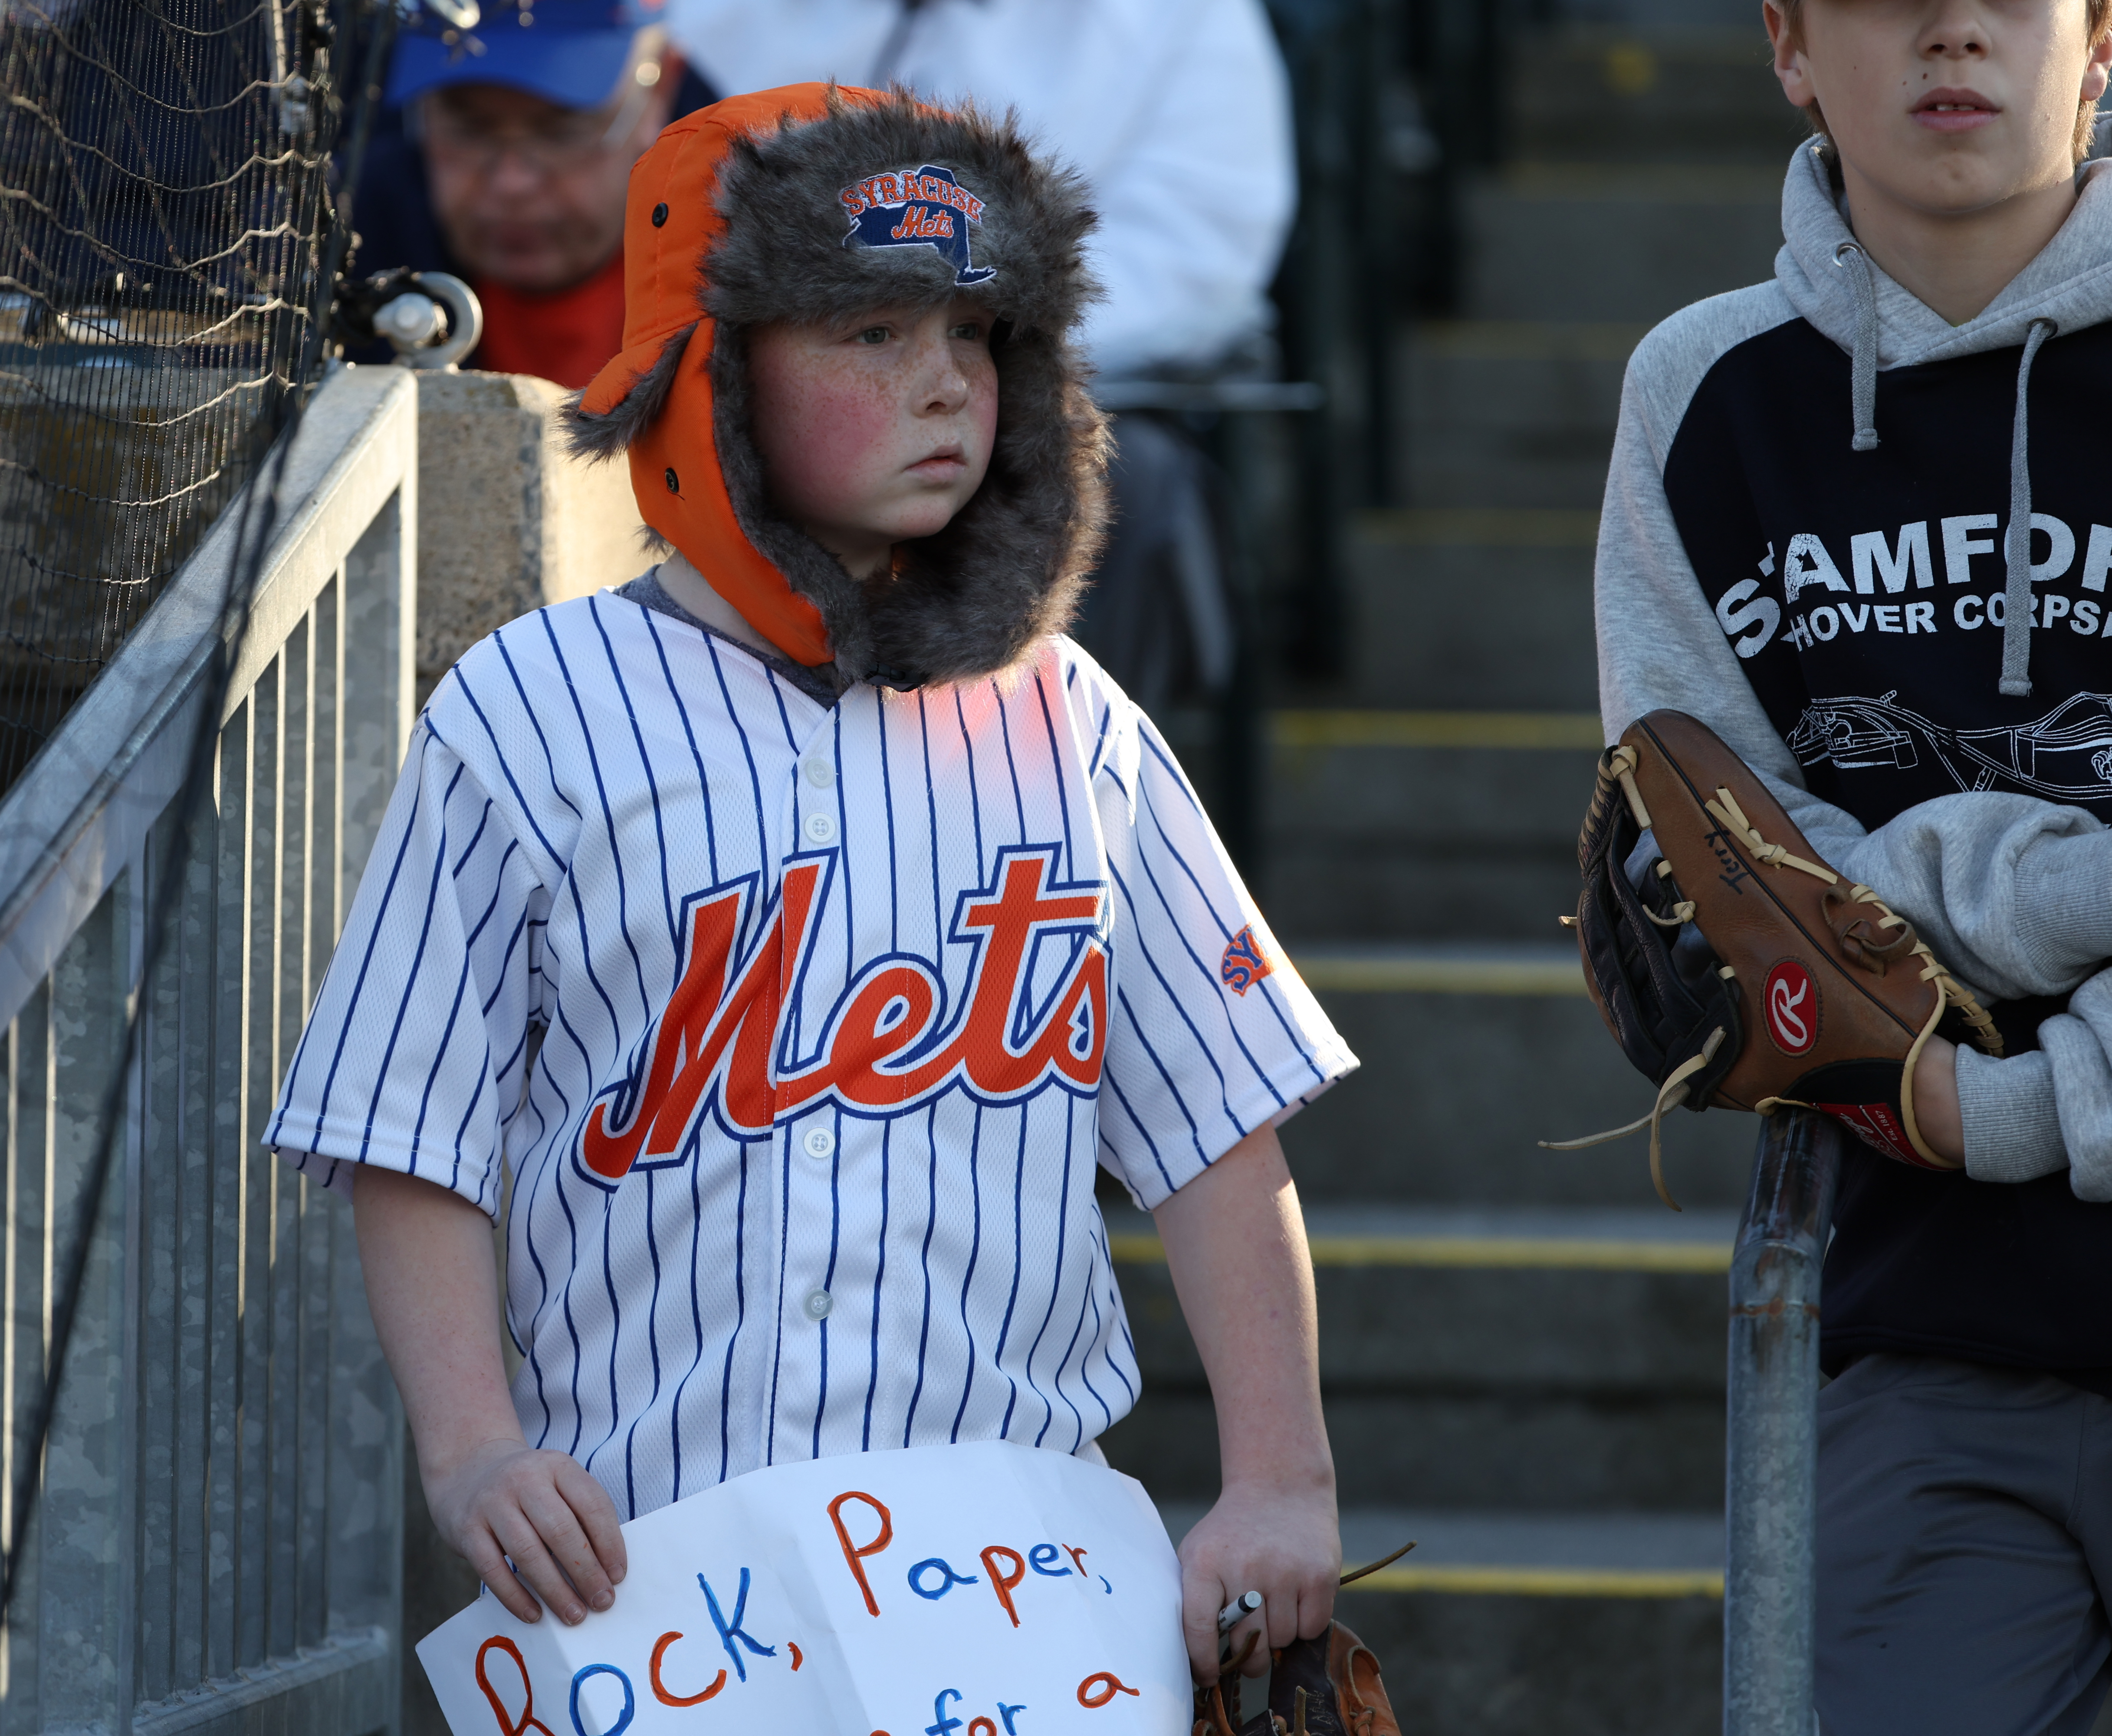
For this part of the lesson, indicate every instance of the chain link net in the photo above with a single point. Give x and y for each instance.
(164, 203)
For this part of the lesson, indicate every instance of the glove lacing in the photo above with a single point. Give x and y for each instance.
(1620, 763)
(1670, 1095)
(1949, 991)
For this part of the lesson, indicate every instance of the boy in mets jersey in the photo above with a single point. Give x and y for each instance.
(861, 917)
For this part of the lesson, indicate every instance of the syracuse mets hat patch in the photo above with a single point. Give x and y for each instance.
(917, 207)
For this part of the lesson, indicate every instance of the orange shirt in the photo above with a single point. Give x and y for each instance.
(567, 335)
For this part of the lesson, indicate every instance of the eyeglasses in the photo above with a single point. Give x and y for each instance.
(564, 140)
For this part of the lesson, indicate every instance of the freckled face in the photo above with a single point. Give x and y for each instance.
(877, 430)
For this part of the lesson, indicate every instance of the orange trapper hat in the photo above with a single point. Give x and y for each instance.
(671, 221)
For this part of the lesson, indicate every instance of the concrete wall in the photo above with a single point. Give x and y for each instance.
(506, 522)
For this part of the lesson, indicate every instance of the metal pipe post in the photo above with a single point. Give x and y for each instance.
(1771, 1495)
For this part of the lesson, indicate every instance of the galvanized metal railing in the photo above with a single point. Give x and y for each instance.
(218, 1543)
(1771, 1473)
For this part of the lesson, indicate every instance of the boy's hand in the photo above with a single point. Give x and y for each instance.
(1235, 1248)
(542, 1508)
(1936, 1100)
(432, 1281)
(1283, 1543)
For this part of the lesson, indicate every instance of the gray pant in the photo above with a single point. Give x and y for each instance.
(1964, 1545)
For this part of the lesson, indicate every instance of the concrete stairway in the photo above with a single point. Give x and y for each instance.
(1523, 1353)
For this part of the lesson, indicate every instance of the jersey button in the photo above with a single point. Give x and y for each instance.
(819, 1142)
(820, 773)
(819, 1302)
(820, 828)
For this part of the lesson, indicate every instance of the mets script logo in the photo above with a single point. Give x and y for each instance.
(918, 207)
(1791, 1002)
(890, 1043)
(1244, 963)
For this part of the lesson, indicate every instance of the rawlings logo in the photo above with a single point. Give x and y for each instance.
(1244, 963)
(888, 1046)
(1791, 1001)
(922, 208)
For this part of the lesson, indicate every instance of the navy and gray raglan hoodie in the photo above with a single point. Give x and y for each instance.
(1805, 544)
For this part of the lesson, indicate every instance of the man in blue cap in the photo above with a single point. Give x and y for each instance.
(508, 166)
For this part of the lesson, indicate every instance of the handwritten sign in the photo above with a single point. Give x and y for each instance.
(981, 1590)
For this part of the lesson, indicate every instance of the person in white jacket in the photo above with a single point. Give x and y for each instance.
(1177, 113)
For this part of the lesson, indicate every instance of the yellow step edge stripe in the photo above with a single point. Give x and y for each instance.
(1547, 1582)
(1295, 729)
(1518, 1253)
(1412, 976)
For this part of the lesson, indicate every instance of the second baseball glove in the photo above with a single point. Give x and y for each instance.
(1733, 966)
(1326, 1686)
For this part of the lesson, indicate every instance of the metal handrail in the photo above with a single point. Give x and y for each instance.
(216, 1539)
(83, 807)
(1771, 1480)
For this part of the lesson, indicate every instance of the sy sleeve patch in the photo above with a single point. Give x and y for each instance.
(1244, 963)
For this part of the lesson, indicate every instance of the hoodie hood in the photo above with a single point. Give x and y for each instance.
(2069, 282)
(1832, 282)
(805, 204)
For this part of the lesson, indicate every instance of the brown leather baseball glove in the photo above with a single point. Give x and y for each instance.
(1327, 1686)
(1733, 966)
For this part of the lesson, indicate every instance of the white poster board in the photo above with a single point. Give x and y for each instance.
(980, 1590)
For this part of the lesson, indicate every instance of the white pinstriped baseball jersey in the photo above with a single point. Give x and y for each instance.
(842, 1005)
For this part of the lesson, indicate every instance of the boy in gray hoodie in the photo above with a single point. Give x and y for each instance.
(1859, 521)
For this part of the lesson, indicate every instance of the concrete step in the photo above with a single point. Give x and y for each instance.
(1474, 1052)
(1520, 1624)
(1473, 1449)
(1610, 1554)
(1415, 825)
(1532, 1623)
(1610, 93)
(1476, 609)
(1543, 1301)
(1527, 1665)
(1526, 1360)
(1501, 1624)
(1614, 242)
(1512, 413)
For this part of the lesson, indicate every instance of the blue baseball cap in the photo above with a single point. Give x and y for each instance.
(568, 51)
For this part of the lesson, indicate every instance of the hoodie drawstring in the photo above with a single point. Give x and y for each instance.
(2016, 682)
(1863, 359)
(2017, 593)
